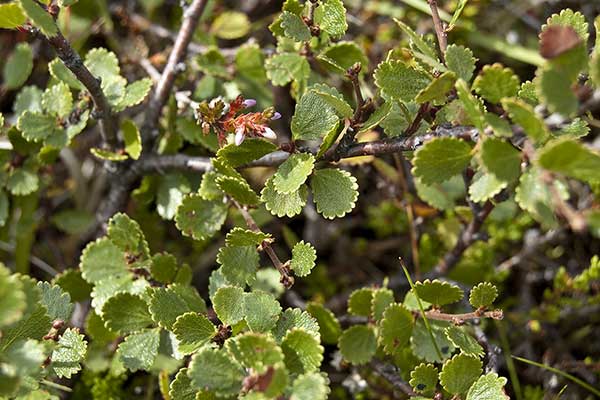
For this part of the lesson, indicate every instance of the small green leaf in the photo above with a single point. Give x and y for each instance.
(199, 218)
(73, 283)
(59, 71)
(181, 387)
(495, 82)
(459, 373)
(170, 193)
(70, 352)
(102, 260)
(294, 27)
(295, 318)
(132, 138)
(417, 40)
(359, 302)
(500, 126)
(330, 16)
(483, 295)
(342, 55)
(485, 186)
(329, 327)
(422, 345)
(193, 331)
(40, 18)
(334, 98)
(163, 267)
(12, 297)
(303, 352)
(398, 81)
(438, 89)
(57, 100)
(261, 310)
(230, 25)
(313, 386)
(395, 328)
(18, 66)
(568, 17)
(135, 93)
(472, 105)
(251, 149)
(488, 387)
(255, 351)
(460, 60)
(216, 371)
(238, 263)
(438, 292)
(36, 127)
(108, 155)
(11, 16)
(139, 350)
(126, 313)
(523, 114)
(228, 303)
(282, 68)
(571, 158)
(501, 159)
(465, 342)
(283, 204)
(293, 173)
(335, 192)
(314, 117)
(303, 260)
(554, 88)
(358, 344)
(424, 378)
(238, 189)
(166, 304)
(440, 159)
(57, 302)
(22, 181)
(244, 237)
(103, 64)
(534, 196)
(382, 298)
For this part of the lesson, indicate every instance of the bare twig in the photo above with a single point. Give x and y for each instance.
(73, 62)
(391, 374)
(440, 30)
(287, 278)
(461, 318)
(165, 84)
(530, 248)
(468, 236)
(150, 163)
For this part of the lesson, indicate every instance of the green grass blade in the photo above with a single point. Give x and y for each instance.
(565, 375)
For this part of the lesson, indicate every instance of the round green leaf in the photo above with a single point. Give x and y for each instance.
(483, 295)
(459, 373)
(438, 292)
(358, 344)
(395, 328)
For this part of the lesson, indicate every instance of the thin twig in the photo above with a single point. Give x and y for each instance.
(530, 248)
(191, 17)
(36, 261)
(391, 374)
(73, 62)
(468, 236)
(440, 30)
(286, 277)
(461, 318)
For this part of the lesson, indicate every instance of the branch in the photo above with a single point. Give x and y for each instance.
(440, 30)
(73, 62)
(461, 318)
(191, 17)
(286, 277)
(468, 236)
(391, 374)
(531, 246)
(376, 148)
(147, 164)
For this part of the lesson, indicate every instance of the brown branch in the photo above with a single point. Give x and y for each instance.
(147, 164)
(468, 236)
(390, 373)
(102, 111)
(191, 17)
(287, 278)
(440, 30)
(461, 318)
